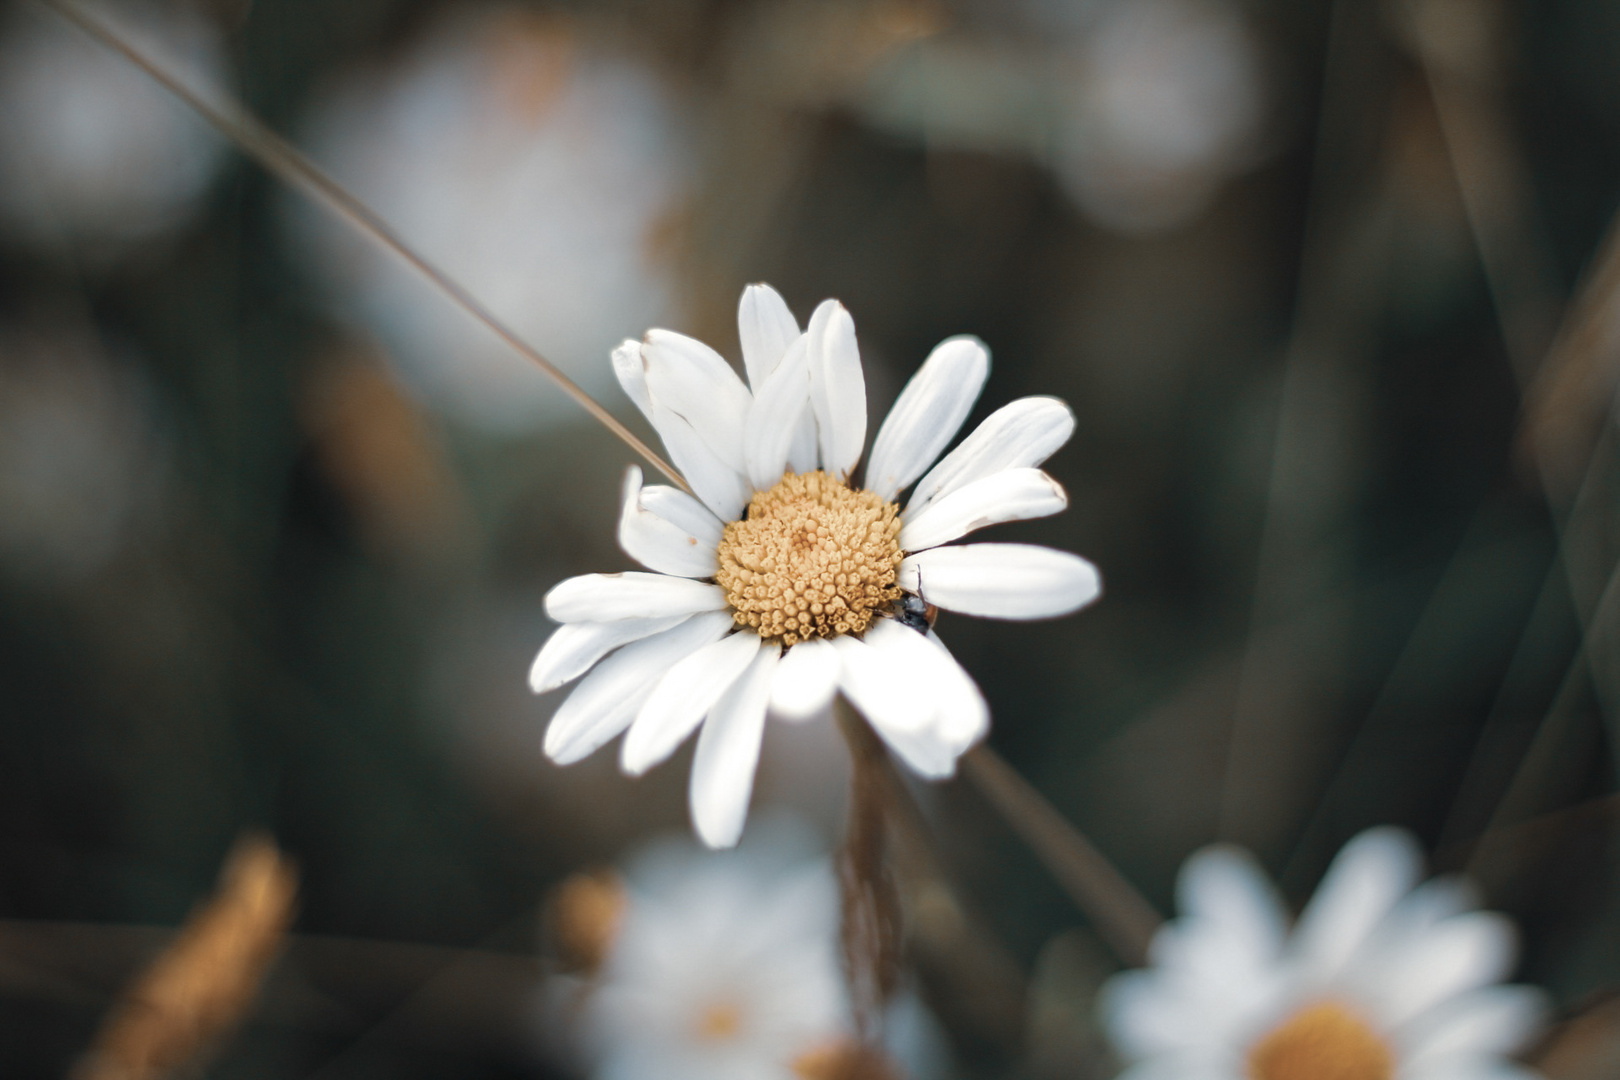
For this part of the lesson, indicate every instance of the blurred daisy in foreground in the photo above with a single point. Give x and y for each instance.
(92, 152)
(722, 967)
(726, 967)
(784, 582)
(538, 171)
(1381, 978)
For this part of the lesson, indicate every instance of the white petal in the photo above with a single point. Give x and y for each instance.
(574, 647)
(895, 678)
(630, 595)
(1197, 1064)
(606, 700)
(727, 752)
(722, 488)
(1225, 888)
(805, 680)
(684, 512)
(837, 388)
(1140, 1017)
(1493, 1020)
(925, 752)
(766, 328)
(777, 416)
(804, 453)
(632, 376)
(1009, 495)
(964, 717)
(682, 697)
(1470, 1067)
(880, 683)
(693, 381)
(1367, 879)
(1020, 434)
(927, 415)
(663, 545)
(1002, 581)
(1459, 954)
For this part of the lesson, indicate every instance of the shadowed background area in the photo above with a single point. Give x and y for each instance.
(1327, 286)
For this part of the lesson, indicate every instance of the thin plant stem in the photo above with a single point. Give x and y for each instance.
(871, 932)
(1121, 915)
(283, 160)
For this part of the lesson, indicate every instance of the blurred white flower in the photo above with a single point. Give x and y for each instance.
(827, 586)
(92, 152)
(1166, 105)
(79, 457)
(1381, 978)
(724, 967)
(540, 172)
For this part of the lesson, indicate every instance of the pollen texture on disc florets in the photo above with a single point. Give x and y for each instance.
(811, 558)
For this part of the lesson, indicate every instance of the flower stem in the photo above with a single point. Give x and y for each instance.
(871, 933)
(1121, 915)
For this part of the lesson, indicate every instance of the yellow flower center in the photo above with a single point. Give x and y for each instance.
(719, 1022)
(1325, 1041)
(811, 558)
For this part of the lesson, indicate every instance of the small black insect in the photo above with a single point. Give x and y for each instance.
(915, 612)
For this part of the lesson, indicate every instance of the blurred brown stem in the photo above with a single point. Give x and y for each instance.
(1120, 914)
(194, 994)
(283, 160)
(871, 931)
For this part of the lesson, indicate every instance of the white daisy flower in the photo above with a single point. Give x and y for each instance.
(721, 968)
(1380, 979)
(783, 583)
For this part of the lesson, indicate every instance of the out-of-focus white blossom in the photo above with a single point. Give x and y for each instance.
(79, 457)
(538, 170)
(1142, 108)
(94, 154)
(1167, 104)
(1381, 978)
(725, 967)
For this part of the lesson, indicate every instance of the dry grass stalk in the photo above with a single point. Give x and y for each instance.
(181, 1008)
(1120, 914)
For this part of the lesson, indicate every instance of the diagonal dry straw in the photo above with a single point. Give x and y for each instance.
(1121, 914)
(285, 161)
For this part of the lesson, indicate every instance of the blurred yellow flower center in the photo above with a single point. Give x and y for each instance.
(719, 1022)
(586, 911)
(1322, 1042)
(811, 558)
